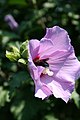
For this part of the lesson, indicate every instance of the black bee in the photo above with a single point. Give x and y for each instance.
(41, 63)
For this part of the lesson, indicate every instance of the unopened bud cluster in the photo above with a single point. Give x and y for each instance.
(18, 55)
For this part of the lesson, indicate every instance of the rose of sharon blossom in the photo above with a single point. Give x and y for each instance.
(53, 65)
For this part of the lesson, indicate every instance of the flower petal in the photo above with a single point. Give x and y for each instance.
(46, 48)
(71, 69)
(60, 89)
(42, 92)
(34, 47)
(59, 38)
(57, 60)
(35, 71)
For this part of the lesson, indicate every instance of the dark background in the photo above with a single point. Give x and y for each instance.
(17, 101)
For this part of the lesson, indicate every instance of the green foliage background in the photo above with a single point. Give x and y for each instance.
(17, 101)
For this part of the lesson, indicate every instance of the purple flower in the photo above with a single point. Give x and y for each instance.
(53, 65)
(11, 21)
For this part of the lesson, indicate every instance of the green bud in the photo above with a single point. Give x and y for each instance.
(24, 54)
(14, 49)
(24, 46)
(22, 61)
(14, 54)
(24, 49)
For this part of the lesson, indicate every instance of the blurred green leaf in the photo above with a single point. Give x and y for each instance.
(76, 97)
(4, 96)
(51, 117)
(49, 5)
(28, 109)
(10, 35)
(19, 2)
(18, 79)
(2, 1)
(7, 36)
(17, 109)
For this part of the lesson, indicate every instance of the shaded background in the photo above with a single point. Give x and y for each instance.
(17, 101)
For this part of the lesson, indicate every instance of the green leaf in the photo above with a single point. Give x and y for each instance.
(50, 117)
(6, 36)
(76, 97)
(10, 35)
(49, 5)
(4, 97)
(19, 2)
(17, 109)
(17, 80)
(25, 106)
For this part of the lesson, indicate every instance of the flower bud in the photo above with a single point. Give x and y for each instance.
(22, 61)
(24, 49)
(14, 54)
(11, 22)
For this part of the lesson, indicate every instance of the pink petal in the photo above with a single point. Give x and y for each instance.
(42, 92)
(57, 60)
(60, 89)
(59, 38)
(71, 69)
(46, 48)
(35, 71)
(34, 47)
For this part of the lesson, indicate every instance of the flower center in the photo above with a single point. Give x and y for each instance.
(43, 63)
(39, 62)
